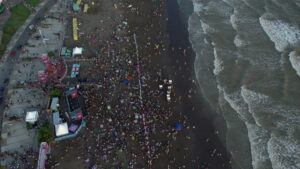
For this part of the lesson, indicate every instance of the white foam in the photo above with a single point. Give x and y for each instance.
(198, 7)
(258, 138)
(294, 58)
(206, 28)
(284, 152)
(218, 63)
(237, 103)
(233, 20)
(283, 35)
(238, 42)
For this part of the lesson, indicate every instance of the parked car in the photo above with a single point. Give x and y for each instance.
(13, 53)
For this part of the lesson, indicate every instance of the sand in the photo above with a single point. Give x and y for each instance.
(196, 146)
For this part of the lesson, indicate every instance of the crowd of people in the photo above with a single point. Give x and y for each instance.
(130, 123)
(129, 120)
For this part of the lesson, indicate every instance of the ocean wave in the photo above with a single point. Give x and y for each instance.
(223, 32)
(294, 58)
(284, 153)
(258, 141)
(218, 63)
(284, 35)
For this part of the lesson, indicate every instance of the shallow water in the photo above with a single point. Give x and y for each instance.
(248, 68)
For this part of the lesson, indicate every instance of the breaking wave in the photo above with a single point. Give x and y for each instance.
(247, 62)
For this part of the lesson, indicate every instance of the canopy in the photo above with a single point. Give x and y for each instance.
(73, 128)
(61, 129)
(75, 7)
(178, 126)
(31, 116)
(77, 51)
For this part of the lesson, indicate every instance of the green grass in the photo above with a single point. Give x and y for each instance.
(19, 14)
(33, 2)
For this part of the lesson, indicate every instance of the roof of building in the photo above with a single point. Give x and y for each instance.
(54, 103)
(31, 116)
(61, 129)
(56, 118)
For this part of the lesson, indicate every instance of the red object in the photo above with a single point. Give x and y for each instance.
(74, 95)
(13, 53)
(78, 116)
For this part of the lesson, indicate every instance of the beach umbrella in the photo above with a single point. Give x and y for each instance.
(178, 126)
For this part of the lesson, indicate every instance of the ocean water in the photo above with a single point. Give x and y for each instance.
(248, 69)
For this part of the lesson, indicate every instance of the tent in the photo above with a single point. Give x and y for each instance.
(178, 126)
(31, 116)
(61, 129)
(76, 7)
(73, 128)
(77, 51)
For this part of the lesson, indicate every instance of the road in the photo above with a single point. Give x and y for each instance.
(9, 64)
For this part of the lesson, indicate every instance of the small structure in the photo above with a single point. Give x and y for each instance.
(75, 70)
(44, 150)
(77, 51)
(42, 76)
(61, 129)
(75, 27)
(54, 104)
(75, 111)
(85, 8)
(78, 2)
(65, 52)
(56, 119)
(31, 117)
(76, 7)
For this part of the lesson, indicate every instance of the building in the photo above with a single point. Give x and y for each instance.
(61, 129)
(54, 104)
(75, 112)
(31, 117)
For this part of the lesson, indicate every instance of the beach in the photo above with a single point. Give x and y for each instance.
(133, 49)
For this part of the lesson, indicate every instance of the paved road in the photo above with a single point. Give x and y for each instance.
(9, 64)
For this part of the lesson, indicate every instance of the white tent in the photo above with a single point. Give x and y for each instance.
(31, 116)
(61, 129)
(77, 51)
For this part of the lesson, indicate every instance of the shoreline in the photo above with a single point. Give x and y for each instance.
(196, 108)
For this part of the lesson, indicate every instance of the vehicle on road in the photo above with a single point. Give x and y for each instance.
(13, 53)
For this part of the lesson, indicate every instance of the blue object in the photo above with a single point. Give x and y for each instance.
(115, 133)
(178, 126)
(121, 112)
(125, 82)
